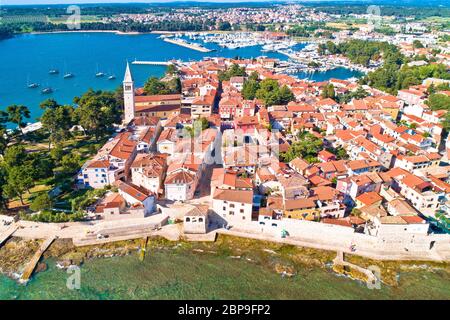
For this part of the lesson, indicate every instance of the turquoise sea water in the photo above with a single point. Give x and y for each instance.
(167, 275)
(28, 58)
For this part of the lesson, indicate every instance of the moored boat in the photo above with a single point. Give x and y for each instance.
(33, 85)
(47, 90)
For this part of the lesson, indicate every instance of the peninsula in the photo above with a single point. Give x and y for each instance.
(241, 147)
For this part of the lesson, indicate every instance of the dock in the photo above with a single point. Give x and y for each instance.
(153, 63)
(8, 233)
(339, 260)
(192, 46)
(29, 269)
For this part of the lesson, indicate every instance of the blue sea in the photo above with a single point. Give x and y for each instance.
(28, 58)
(184, 275)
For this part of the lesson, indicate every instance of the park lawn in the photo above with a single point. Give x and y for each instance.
(83, 146)
(36, 147)
(15, 203)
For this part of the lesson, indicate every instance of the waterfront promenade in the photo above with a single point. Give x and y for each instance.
(86, 233)
(365, 247)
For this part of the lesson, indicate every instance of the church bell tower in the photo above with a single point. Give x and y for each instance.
(128, 95)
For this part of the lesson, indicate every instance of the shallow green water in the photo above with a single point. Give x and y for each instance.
(185, 275)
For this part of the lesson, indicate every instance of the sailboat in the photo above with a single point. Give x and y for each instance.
(112, 76)
(47, 90)
(68, 75)
(99, 74)
(32, 85)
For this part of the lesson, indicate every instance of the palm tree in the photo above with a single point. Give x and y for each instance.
(17, 113)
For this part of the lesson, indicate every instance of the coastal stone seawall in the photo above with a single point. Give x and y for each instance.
(403, 246)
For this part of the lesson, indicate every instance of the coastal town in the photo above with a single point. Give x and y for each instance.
(243, 147)
(369, 176)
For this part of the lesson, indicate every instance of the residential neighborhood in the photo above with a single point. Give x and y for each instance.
(380, 167)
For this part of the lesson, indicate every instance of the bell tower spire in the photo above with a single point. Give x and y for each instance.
(128, 95)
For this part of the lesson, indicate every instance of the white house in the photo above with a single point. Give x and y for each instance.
(180, 185)
(396, 225)
(97, 174)
(418, 192)
(196, 220)
(111, 163)
(234, 206)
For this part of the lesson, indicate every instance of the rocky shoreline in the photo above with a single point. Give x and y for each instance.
(285, 260)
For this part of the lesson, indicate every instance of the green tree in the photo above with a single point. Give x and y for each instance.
(307, 147)
(234, 71)
(224, 26)
(340, 153)
(328, 91)
(270, 92)
(97, 111)
(285, 95)
(3, 181)
(249, 89)
(392, 77)
(363, 51)
(174, 85)
(155, 86)
(171, 69)
(438, 101)
(41, 167)
(49, 104)
(358, 94)
(41, 202)
(15, 156)
(19, 180)
(3, 140)
(57, 153)
(254, 76)
(57, 121)
(70, 163)
(417, 44)
(17, 114)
